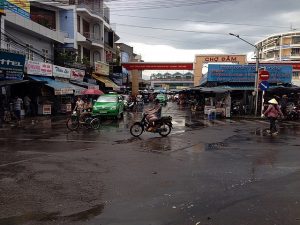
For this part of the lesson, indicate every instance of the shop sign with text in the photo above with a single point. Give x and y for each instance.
(77, 74)
(11, 66)
(247, 73)
(101, 68)
(62, 72)
(39, 68)
(228, 58)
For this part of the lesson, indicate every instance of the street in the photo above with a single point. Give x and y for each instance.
(222, 172)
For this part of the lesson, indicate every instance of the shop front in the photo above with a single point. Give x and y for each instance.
(56, 93)
(239, 81)
(101, 75)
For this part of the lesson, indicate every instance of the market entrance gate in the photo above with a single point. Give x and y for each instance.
(200, 60)
(136, 69)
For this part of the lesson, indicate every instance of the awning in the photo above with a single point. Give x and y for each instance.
(60, 88)
(106, 81)
(11, 82)
(85, 84)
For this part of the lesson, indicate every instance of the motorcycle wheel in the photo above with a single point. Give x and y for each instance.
(72, 124)
(136, 129)
(95, 123)
(167, 130)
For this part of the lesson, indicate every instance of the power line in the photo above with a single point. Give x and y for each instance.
(162, 4)
(179, 30)
(155, 37)
(200, 21)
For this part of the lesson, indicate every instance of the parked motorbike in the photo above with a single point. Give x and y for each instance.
(293, 113)
(163, 126)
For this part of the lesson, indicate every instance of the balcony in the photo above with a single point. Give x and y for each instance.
(34, 27)
(91, 11)
(91, 38)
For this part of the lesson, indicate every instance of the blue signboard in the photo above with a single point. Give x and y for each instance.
(21, 7)
(247, 73)
(264, 85)
(11, 66)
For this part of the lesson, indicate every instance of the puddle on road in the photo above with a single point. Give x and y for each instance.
(16, 220)
(44, 217)
(156, 145)
(87, 214)
(215, 146)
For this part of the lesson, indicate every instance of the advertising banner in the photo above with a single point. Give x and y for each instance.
(39, 68)
(158, 66)
(101, 68)
(62, 72)
(20, 7)
(11, 66)
(77, 74)
(2, 11)
(247, 73)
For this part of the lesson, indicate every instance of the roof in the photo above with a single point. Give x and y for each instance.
(60, 88)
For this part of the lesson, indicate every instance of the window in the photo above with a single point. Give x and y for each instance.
(29, 53)
(295, 75)
(296, 51)
(45, 54)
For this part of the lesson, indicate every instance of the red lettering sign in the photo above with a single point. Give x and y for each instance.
(158, 66)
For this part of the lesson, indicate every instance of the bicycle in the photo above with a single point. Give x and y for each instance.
(89, 121)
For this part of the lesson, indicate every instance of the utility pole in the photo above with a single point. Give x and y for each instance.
(256, 72)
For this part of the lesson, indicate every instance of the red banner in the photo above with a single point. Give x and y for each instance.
(158, 66)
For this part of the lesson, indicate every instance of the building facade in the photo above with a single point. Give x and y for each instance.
(282, 48)
(175, 81)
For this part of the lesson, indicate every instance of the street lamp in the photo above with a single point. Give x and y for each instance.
(257, 67)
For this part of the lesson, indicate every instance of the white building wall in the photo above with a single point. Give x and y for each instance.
(24, 38)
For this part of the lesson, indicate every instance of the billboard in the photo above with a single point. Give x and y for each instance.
(77, 74)
(2, 12)
(20, 7)
(62, 72)
(101, 68)
(11, 66)
(39, 68)
(247, 73)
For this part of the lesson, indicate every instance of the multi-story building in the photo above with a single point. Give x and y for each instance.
(29, 34)
(282, 48)
(170, 81)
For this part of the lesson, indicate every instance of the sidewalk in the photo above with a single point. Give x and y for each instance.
(37, 121)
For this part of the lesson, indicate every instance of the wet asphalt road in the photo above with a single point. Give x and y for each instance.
(224, 172)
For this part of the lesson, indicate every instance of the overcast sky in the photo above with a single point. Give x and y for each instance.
(197, 17)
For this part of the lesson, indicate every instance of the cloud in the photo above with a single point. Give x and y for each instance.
(237, 16)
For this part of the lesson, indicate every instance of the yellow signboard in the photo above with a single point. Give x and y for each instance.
(20, 7)
(101, 68)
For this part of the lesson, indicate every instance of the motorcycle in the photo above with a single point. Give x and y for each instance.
(293, 113)
(163, 126)
(129, 106)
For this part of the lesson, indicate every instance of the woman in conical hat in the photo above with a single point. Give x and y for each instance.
(273, 112)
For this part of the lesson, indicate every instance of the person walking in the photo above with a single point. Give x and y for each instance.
(273, 112)
(27, 103)
(18, 105)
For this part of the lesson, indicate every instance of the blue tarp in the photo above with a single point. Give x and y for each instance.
(60, 88)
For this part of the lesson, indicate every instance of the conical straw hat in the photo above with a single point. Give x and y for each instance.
(273, 101)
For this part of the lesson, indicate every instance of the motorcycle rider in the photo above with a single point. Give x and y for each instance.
(154, 114)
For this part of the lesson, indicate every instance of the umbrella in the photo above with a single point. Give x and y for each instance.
(92, 92)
